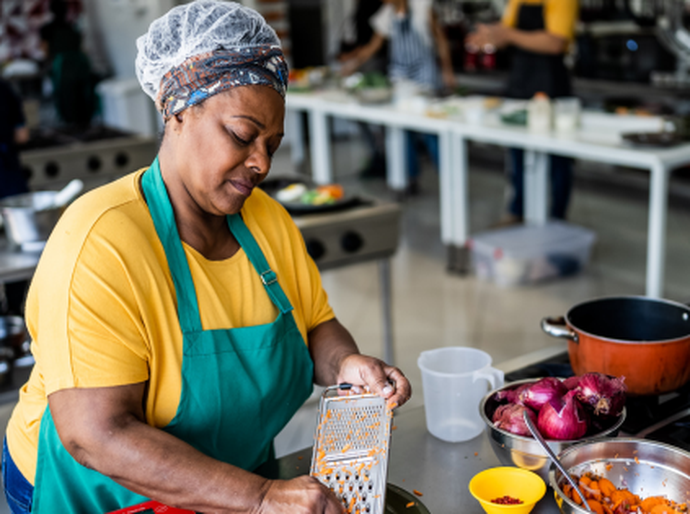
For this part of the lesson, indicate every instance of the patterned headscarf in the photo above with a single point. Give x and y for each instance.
(208, 74)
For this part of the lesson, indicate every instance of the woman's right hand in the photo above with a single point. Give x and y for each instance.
(301, 495)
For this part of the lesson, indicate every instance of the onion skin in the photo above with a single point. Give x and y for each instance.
(510, 418)
(511, 395)
(603, 394)
(541, 392)
(563, 418)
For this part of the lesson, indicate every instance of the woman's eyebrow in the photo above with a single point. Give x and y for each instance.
(253, 119)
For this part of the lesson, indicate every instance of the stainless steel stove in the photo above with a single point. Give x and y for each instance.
(664, 418)
(53, 157)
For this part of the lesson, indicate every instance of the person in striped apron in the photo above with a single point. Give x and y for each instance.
(418, 53)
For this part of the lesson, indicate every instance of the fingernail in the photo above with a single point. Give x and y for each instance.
(387, 390)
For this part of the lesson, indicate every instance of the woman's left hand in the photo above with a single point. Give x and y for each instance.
(386, 381)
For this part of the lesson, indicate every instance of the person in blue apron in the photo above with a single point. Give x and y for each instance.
(177, 320)
(540, 33)
(416, 46)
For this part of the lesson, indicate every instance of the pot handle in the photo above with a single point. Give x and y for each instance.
(552, 326)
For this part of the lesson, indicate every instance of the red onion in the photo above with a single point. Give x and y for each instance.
(510, 418)
(563, 418)
(603, 394)
(571, 382)
(511, 395)
(541, 392)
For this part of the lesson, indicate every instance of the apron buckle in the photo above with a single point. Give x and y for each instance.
(269, 277)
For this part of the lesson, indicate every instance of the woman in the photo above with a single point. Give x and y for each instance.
(177, 320)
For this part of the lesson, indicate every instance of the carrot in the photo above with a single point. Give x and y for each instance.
(417, 492)
(606, 486)
(596, 506)
(584, 479)
(576, 497)
(649, 503)
(410, 504)
(663, 509)
(593, 490)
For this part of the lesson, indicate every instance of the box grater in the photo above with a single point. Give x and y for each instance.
(351, 446)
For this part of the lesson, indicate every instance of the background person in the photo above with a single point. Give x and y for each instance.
(13, 181)
(73, 81)
(177, 320)
(415, 42)
(540, 33)
(13, 132)
(357, 32)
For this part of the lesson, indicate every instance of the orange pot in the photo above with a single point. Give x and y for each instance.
(645, 340)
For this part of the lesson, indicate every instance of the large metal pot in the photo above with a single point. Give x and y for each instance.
(646, 340)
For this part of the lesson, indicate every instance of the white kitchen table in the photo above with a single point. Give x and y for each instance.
(597, 140)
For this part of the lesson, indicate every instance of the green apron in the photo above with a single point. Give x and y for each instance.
(239, 386)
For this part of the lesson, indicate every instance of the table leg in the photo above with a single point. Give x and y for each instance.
(295, 131)
(455, 218)
(320, 137)
(387, 310)
(396, 164)
(536, 185)
(656, 231)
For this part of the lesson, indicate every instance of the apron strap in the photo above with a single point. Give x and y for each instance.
(156, 196)
(256, 257)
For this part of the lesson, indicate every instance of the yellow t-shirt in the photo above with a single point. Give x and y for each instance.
(560, 16)
(102, 312)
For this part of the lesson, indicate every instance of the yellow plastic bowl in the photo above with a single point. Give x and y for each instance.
(498, 482)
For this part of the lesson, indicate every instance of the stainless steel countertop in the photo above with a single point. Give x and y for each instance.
(440, 470)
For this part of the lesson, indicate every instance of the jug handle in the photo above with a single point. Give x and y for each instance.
(494, 376)
(549, 325)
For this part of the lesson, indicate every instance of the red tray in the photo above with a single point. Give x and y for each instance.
(151, 507)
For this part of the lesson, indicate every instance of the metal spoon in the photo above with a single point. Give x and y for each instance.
(542, 442)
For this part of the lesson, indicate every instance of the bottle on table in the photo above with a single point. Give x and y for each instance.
(539, 113)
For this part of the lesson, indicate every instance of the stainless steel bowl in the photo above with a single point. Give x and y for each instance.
(645, 468)
(30, 217)
(524, 452)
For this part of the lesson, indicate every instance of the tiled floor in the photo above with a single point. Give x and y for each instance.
(433, 308)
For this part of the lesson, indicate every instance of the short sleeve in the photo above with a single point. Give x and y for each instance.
(85, 311)
(510, 14)
(561, 17)
(382, 21)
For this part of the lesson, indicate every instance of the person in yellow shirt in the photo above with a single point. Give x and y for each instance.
(540, 32)
(177, 320)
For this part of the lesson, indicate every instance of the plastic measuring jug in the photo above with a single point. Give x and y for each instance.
(454, 380)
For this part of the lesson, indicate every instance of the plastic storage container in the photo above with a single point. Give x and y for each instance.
(529, 253)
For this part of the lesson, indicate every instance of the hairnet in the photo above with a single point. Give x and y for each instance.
(212, 38)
